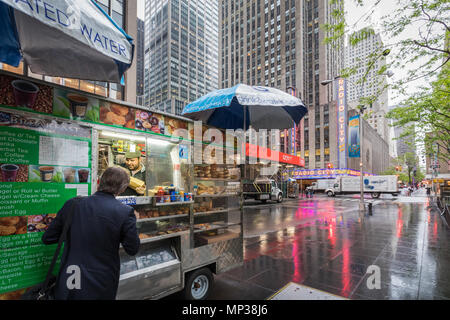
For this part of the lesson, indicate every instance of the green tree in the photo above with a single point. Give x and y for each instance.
(430, 17)
(428, 111)
(406, 167)
(403, 177)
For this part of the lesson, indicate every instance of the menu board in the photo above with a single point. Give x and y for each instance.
(43, 163)
(28, 95)
(53, 150)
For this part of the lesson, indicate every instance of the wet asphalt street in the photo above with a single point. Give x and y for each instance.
(327, 244)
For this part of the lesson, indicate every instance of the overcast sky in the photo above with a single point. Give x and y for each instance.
(354, 21)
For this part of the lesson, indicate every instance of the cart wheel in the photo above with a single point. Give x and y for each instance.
(198, 284)
(375, 195)
(280, 198)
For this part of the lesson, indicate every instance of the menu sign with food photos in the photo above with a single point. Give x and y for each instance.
(149, 121)
(25, 95)
(75, 106)
(28, 95)
(173, 124)
(117, 115)
(43, 163)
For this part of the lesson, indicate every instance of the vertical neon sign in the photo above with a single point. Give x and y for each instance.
(342, 121)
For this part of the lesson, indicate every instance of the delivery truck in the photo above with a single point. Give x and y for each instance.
(323, 184)
(263, 190)
(375, 185)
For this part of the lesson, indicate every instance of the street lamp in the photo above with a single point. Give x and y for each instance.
(361, 111)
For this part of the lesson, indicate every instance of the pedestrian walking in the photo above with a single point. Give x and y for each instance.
(100, 223)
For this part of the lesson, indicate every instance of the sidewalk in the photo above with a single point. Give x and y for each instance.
(334, 247)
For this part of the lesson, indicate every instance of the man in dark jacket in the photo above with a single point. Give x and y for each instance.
(90, 264)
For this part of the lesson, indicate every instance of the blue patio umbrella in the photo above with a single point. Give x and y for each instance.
(64, 38)
(260, 108)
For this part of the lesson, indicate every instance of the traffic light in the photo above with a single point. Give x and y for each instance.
(330, 166)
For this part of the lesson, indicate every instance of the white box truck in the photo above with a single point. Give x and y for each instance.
(375, 185)
(323, 184)
(263, 190)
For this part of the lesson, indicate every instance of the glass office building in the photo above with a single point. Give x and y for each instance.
(181, 52)
(279, 43)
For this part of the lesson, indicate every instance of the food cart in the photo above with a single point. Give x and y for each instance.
(58, 142)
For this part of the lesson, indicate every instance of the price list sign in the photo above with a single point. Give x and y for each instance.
(43, 164)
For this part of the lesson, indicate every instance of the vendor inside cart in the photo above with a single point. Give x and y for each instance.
(129, 153)
(136, 168)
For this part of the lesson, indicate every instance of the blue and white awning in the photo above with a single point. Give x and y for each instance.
(64, 38)
(265, 107)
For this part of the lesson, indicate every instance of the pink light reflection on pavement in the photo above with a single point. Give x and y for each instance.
(297, 278)
(399, 222)
(345, 269)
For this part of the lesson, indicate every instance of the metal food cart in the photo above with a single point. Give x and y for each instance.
(206, 241)
(184, 242)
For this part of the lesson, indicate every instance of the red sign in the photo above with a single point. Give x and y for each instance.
(255, 151)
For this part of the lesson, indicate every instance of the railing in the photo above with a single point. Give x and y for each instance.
(443, 204)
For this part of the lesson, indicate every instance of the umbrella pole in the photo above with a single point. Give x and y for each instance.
(243, 175)
(245, 140)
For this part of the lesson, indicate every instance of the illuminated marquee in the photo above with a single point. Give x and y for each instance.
(324, 173)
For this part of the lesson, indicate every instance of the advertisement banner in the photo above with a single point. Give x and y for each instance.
(353, 138)
(341, 90)
(43, 163)
(262, 153)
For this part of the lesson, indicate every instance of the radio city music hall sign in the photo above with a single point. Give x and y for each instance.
(342, 121)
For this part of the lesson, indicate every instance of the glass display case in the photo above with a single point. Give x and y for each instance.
(162, 164)
(189, 214)
(155, 269)
(217, 206)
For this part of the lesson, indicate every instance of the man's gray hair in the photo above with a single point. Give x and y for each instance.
(114, 180)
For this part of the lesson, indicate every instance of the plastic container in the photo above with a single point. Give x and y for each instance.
(166, 195)
(172, 193)
(182, 195)
(160, 195)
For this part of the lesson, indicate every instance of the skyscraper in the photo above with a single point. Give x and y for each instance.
(181, 39)
(279, 43)
(140, 49)
(359, 56)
